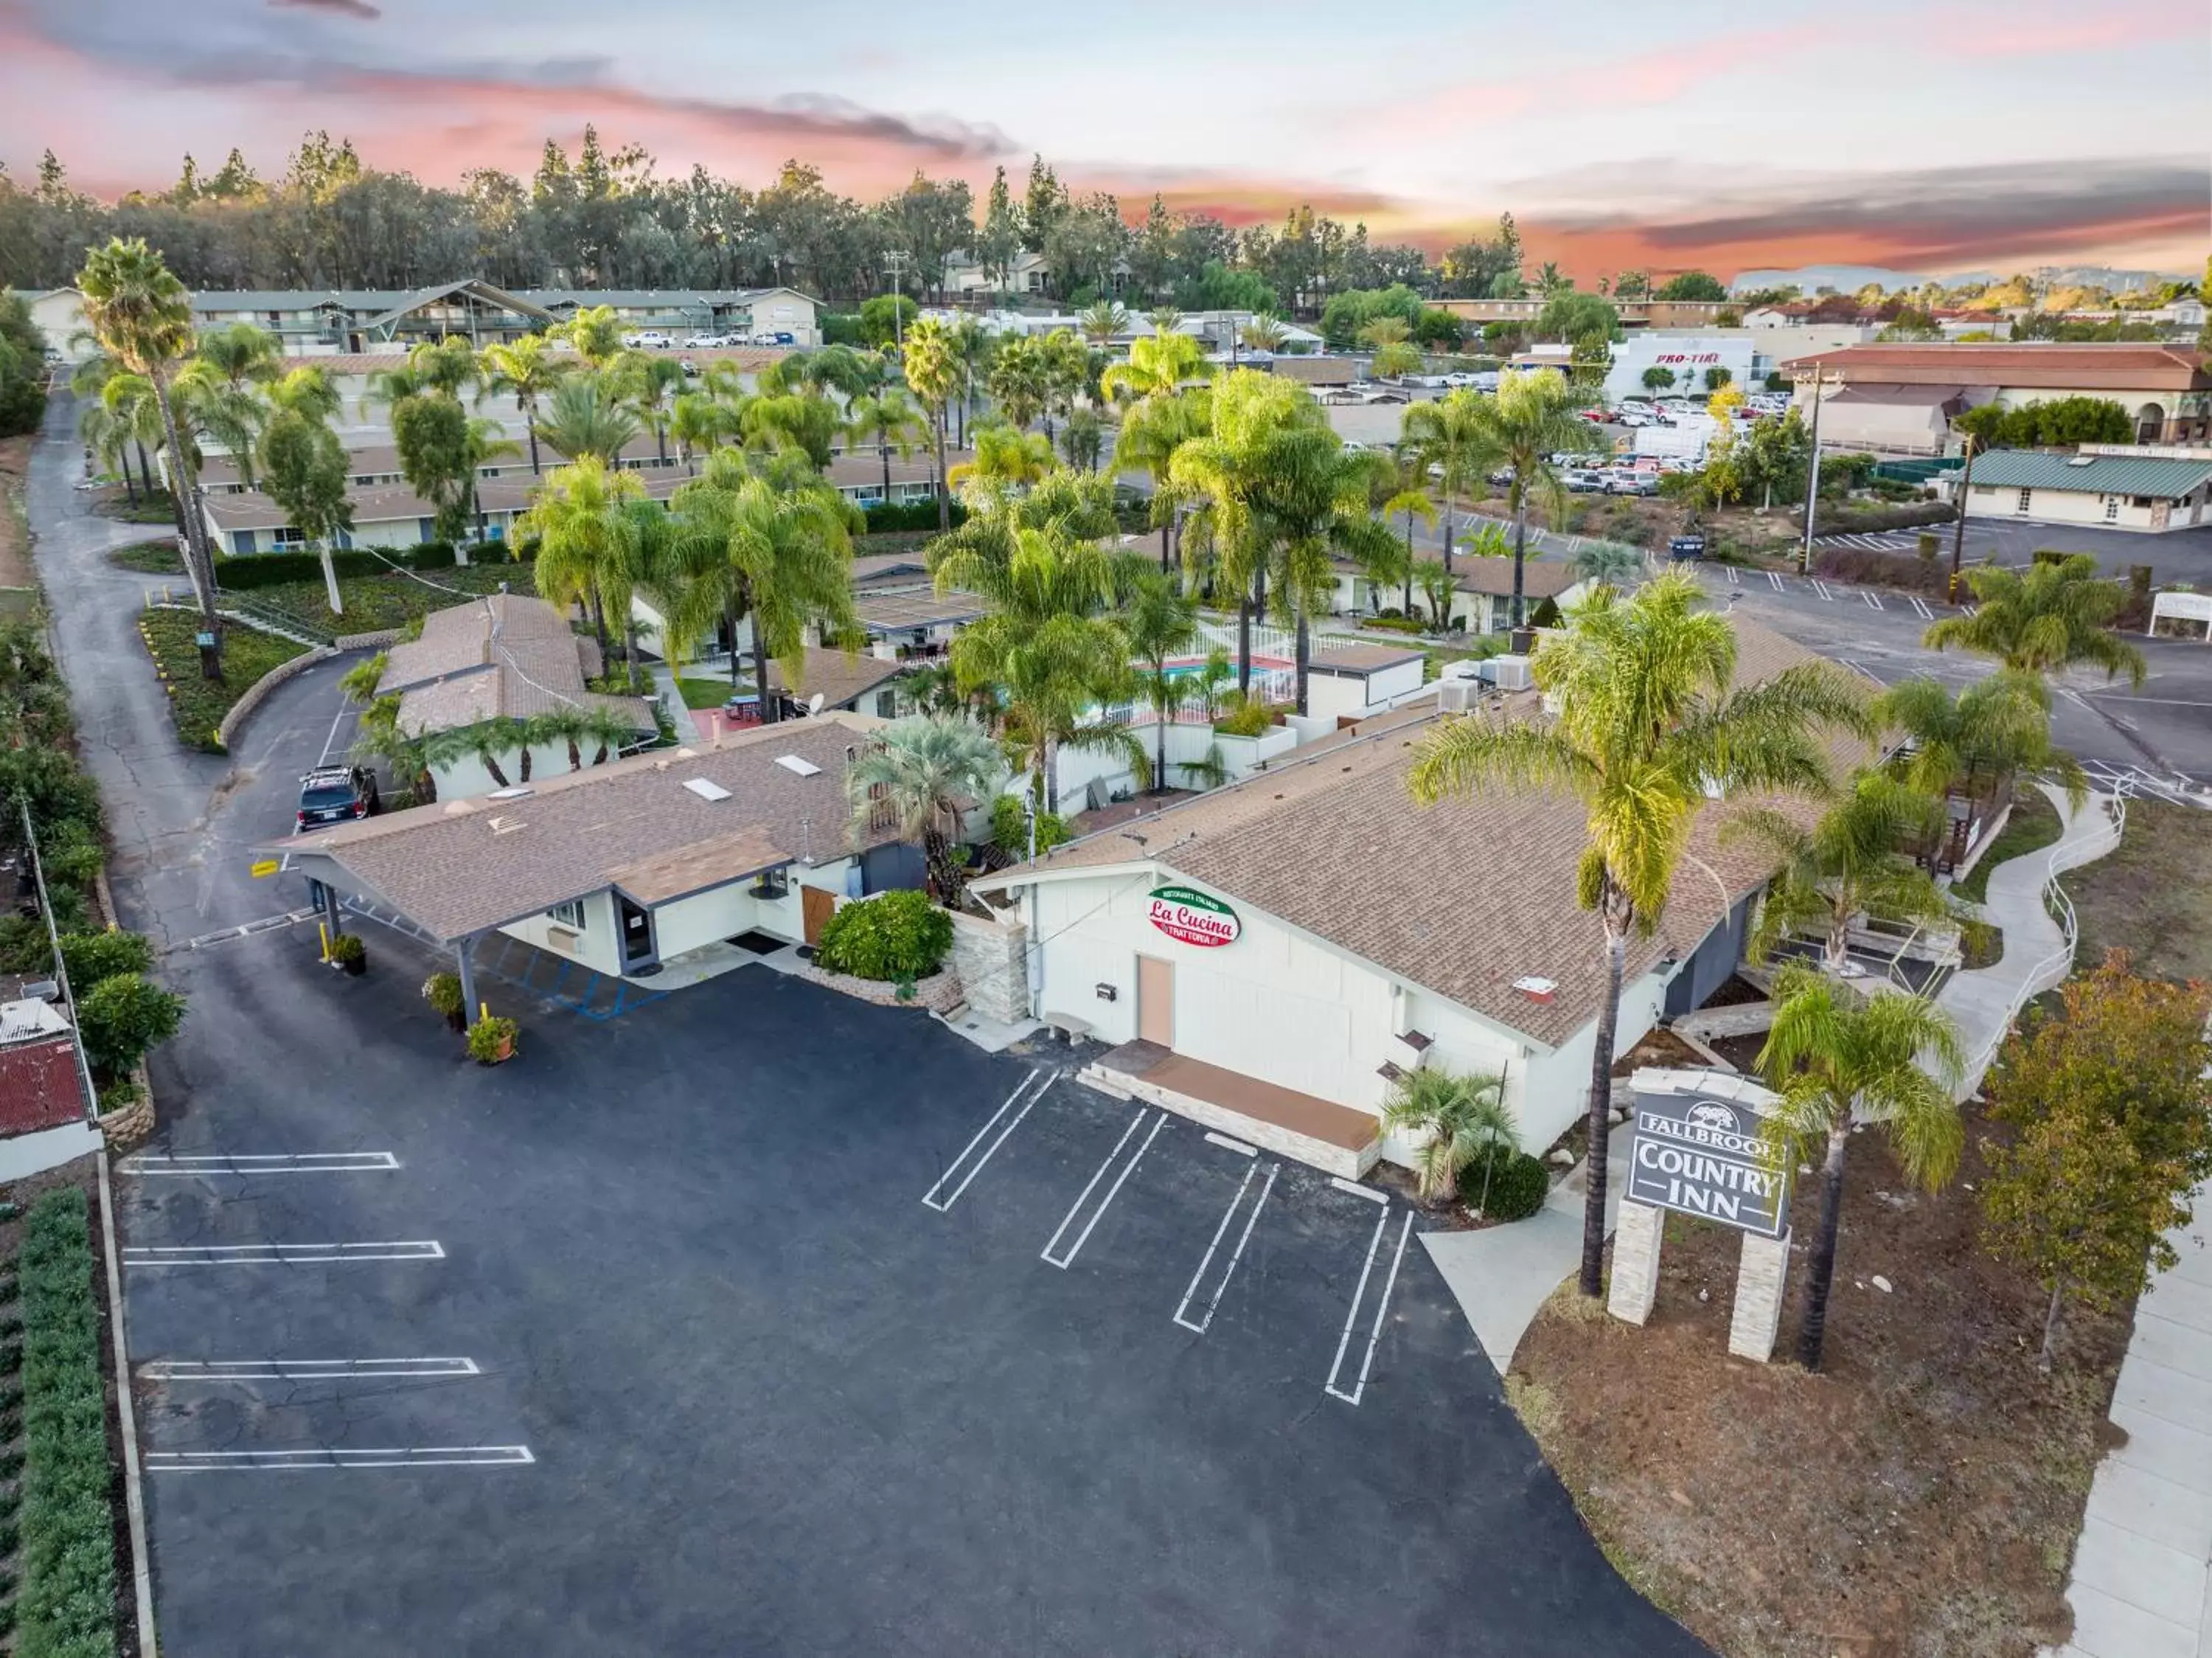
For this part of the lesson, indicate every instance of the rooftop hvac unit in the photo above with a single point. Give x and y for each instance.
(1510, 673)
(1458, 696)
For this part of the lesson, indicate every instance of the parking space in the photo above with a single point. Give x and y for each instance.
(740, 1334)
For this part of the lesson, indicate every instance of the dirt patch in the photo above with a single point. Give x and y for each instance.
(15, 571)
(2151, 895)
(1918, 1499)
(1658, 1047)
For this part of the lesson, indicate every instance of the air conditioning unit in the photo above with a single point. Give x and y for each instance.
(1459, 696)
(1510, 673)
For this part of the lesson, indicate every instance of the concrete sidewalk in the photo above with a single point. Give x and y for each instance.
(2038, 953)
(2139, 1582)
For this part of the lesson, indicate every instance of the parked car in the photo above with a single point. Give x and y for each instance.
(1632, 482)
(705, 342)
(1582, 481)
(1630, 418)
(650, 340)
(784, 339)
(1596, 417)
(336, 793)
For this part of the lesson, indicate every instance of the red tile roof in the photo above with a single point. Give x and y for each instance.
(38, 1086)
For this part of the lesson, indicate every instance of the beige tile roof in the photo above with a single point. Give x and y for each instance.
(1462, 899)
(383, 505)
(838, 676)
(459, 866)
(1539, 578)
(506, 655)
(1362, 658)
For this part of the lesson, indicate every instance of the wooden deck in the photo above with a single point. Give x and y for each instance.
(1301, 1125)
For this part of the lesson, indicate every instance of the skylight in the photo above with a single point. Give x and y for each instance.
(705, 791)
(798, 767)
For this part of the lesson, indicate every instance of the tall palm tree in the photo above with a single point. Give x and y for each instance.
(106, 438)
(1847, 865)
(243, 354)
(1161, 623)
(888, 416)
(1444, 439)
(306, 391)
(448, 365)
(1019, 380)
(1650, 717)
(1102, 321)
(1160, 423)
(972, 347)
(213, 408)
(1265, 332)
(1609, 563)
(1007, 463)
(595, 332)
(582, 535)
(129, 400)
(649, 384)
(923, 770)
(933, 374)
(526, 369)
(1978, 740)
(1159, 365)
(1530, 419)
(795, 423)
(2043, 620)
(700, 422)
(777, 551)
(1461, 1117)
(1838, 1059)
(142, 317)
(585, 420)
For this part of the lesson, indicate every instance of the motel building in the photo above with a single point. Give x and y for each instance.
(1270, 958)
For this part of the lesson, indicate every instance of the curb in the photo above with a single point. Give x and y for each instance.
(134, 1493)
(258, 692)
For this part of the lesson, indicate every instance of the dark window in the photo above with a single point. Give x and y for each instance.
(335, 795)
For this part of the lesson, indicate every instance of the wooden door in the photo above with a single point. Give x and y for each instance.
(1155, 1001)
(814, 907)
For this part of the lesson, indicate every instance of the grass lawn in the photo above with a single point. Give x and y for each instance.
(708, 694)
(1920, 1495)
(374, 602)
(2151, 895)
(147, 509)
(198, 705)
(149, 559)
(2033, 824)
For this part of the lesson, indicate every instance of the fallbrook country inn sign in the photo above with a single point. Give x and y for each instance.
(1704, 1156)
(1190, 916)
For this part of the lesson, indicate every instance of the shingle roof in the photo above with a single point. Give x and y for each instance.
(1362, 658)
(1539, 578)
(504, 656)
(463, 866)
(2064, 365)
(838, 677)
(1463, 898)
(2026, 469)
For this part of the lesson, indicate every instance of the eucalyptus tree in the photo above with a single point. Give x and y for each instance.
(305, 470)
(441, 449)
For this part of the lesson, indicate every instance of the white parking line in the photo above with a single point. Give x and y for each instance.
(1873, 600)
(1968, 611)
(1228, 1144)
(247, 930)
(1774, 577)
(1734, 580)
(932, 1198)
(1213, 1300)
(301, 1369)
(301, 1163)
(412, 1456)
(1920, 608)
(1106, 1202)
(1382, 1308)
(1821, 588)
(1358, 1190)
(299, 1254)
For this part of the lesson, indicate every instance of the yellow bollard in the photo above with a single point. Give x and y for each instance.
(323, 927)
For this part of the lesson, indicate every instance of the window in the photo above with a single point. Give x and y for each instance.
(2026, 499)
(2112, 509)
(569, 915)
(289, 536)
(772, 884)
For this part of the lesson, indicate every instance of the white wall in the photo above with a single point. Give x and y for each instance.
(2050, 506)
(597, 944)
(466, 778)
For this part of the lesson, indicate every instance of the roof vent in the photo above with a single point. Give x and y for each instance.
(504, 825)
(705, 791)
(798, 767)
(2082, 461)
(514, 793)
(1536, 988)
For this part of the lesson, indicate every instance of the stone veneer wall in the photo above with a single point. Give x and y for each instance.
(991, 960)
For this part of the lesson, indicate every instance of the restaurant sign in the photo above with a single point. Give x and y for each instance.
(1190, 916)
(1704, 1156)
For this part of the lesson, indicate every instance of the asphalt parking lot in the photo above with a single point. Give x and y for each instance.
(648, 1343)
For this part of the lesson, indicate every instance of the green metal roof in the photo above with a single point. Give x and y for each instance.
(2100, 474)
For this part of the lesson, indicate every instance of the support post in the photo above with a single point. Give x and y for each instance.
(466, 967)
(1761, 1271)
(1635, 1285)
(1959, 530)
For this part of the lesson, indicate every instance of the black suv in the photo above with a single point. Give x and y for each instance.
(335, 794)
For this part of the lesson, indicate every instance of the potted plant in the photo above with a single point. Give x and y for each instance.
(349, 954)
(443, 992)
(491, 1040)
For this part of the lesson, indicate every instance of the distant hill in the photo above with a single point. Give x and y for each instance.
(1849, 278)
(1843, 278)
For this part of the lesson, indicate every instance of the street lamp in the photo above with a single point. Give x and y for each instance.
(1820, 381)
(1959, 530)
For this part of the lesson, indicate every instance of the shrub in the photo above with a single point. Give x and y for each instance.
(239, 572)
(91, 957)
(1546, 614)
(67, 1602)
(122, 1017)
(888, 516)
(23, 946)
(488, 1036)
(1517, 1183)
(1872, 568)
(891, 936)
(1247, 719)
(443, 992)
(346, 949)
(1010, 827)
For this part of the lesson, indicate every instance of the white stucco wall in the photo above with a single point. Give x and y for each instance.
(466, 778)
(2053, 506)
(597, 944)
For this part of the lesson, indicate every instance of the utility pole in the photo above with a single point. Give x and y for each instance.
(894, 264)
(1812, 473)
(1959, 530)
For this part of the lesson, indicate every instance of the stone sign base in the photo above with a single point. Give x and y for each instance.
(1761, 1271)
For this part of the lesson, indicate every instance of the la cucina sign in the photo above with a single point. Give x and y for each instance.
(1189, 917)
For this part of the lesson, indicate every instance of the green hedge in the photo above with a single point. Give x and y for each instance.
(893, 937)
(909, 515)
(1518, 1185)
(66, 1607)
(240, 571)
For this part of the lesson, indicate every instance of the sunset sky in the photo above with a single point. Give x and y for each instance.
(1939, 135)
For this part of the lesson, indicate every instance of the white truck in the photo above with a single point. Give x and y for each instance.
(1686, 439)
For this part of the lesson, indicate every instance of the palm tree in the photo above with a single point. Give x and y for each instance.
(2044, 621)
(933, 374)
(1083, 440)
(305, 391)
(1444, 439)
(448, 365)
(128, 400)
(887, 415)
(1650, 717)
(795, 423)
(649, 383)
(1976, 742)
(972, 346)
(1439, 591)
(1159, 365)
(1551, 281)
(1019, 380)
(1530, 419)
(596, 333)
(241, 353)
(1151, 433)
(584, 421)
(773, 551)
(700, 422)
(527, 370)
(582, 535)
(142, 317)
(1837, 1059)
(1847, 865)
(1007, 463)
(1608, 564)
(212, 407)
(1462, 1118)
(1102, 321)
(105, 437)
(1161, 623)
(923, 770)
(1265, 332)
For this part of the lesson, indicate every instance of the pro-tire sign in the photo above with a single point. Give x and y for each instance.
(1189, 917)
(1704, 1156)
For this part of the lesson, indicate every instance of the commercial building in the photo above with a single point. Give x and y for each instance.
(2114, 486)
(625, 867)
(2165, 389)
(1272, 956)
(1634, 313)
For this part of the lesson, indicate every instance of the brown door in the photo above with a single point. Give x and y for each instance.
(1155, 1001)
(814, 907)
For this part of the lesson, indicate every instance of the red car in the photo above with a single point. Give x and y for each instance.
(1596, 417)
